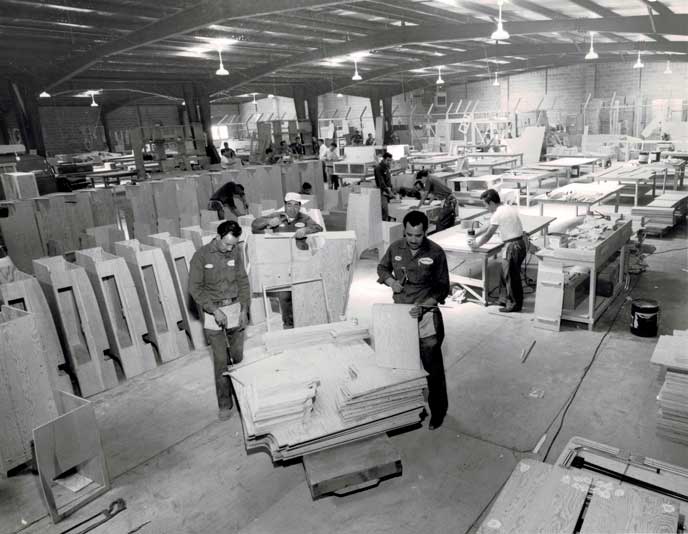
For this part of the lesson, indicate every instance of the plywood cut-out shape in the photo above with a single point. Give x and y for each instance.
(208, 216)
(79, 215)
(197, 235)
(395, 336)
(538, 498)
(364, 217)
(623, 509)
(70, 440)
(55, 232)
(143, 216)
(103, 205)
(204, 190)
(295, 174)
(391, 232)
(218, 179)
(264, 182)
(18, 185)
(166, 209)
(120, 308)
(26, 396)
(309, 303)
(161, 309)
(188, 208)
(77, 315)
(101, 236)
(20, 233)
(23, 291)
(178, 253)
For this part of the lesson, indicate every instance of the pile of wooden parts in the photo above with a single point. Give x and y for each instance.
(340, 332)
(356, 398)
(672, 422)
(663, 213)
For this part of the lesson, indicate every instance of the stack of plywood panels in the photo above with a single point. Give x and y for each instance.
(339, 333)
(155, 287)
(20, 233)
(16, 185)
(101, 236)
(120, 308)
(74, 305)
(22, 291)
(178, 253)
(364, 217)
(334, 366)
(26, 396)
(670, 353)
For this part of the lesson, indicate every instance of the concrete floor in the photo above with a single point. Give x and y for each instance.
(181, 470)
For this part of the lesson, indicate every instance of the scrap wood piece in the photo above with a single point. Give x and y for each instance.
(309, 303)
(395, 336)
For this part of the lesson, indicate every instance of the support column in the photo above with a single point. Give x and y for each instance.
(313, 110)
(4, 130)
(106, 128)
(190, 99)
(387, 114)
(203, 99)
(26, 109)
(300, 103)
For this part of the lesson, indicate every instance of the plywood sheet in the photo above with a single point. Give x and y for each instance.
(166, 209)
(101, 236)
(671, 352)
(204, 189)
(103, 205)
(624, 509)
(26, 396)
(395, 336)
(55, 232)
(144, 219)
(20, 233)
(23, 291)
(264, 182)
(197, 235)
(309, 303)
(188, 207)
(296, 173)
(17, 185)
(364, 217)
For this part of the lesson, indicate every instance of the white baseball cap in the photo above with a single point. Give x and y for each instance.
(295, 197)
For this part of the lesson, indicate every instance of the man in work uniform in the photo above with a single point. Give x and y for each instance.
(292, 219)
(436, 189)
(383, 181)
(217, 278)
(416, 270)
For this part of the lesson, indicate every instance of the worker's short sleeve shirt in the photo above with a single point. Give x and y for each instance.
(508, 222)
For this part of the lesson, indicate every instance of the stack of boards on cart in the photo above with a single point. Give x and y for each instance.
(663, 212)
(672, 417)
(353, 397)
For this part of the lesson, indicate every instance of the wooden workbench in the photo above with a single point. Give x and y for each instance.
(634, 176)
(603, 192)
(569, 164)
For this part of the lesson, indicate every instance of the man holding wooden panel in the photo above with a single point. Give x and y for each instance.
(219, 284)
(416, 270)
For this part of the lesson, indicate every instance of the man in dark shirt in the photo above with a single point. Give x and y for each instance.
(231, 198)
(416, 270)
(383, 181)
(292, 219)
(436, 189)
(217, 278)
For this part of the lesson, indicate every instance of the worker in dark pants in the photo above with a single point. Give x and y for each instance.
(436, 189)
(506, 222)
(292, 219)
(416, 270)
(383, 181)
(229, 201)
(217, 279)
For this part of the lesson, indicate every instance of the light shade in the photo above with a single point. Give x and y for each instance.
(94, 104)
(638, 63)
(340, 95)
(439, 81)
(44, 94)
(591, 53)
(500, 34)
(271, 95)
(356, 77)
(496, 81)
(668, 68)
(222, 71)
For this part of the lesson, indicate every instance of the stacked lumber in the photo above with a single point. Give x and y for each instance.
(339, 333)
(673, 408)
(326, 427)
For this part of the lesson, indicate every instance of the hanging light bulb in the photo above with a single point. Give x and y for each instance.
(638, 63)
(271, 95)
(439, 81)
(340, 95)
(183, 102)
(44, 94)
(222, 71)
(668, 68)
(500, 34)
(495, 83)
(591, 53)
(356, 77)
(94, 104)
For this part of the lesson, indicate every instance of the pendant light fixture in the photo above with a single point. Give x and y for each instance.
(495, 83)
(271, 95)
(222, 71)
(439, 81)
(591, 53)
(356, 77)
(638, 63)
(94, 104)
(44, 94)
(340, 95)
(500, 34)
(668, 68)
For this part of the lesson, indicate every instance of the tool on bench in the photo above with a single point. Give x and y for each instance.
(111, 511)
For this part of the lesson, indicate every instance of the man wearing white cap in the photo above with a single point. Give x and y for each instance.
(291, 219)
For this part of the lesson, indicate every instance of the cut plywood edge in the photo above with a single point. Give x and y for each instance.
(120, 308)
(152, 278)
(197, 235)
(395, 336)
(74, 305)
(309, 303)
(18, 185)
(364, 217)
(101, 236)
(20, 233)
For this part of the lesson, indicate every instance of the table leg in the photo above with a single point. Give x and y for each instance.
(591, 297)
(616, 205)
(635, 197)
(666, 172)
(484, 280)
(542, 208)
(545, 236)
(654, 186)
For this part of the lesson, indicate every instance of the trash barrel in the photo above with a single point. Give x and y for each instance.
(644, 317)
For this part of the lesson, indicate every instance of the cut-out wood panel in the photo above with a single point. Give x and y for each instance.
(197, 235)
(188, 207)
(295, 174)
(166, 209)
(51, 216)
(26, 396)
(153, 281)
(103, 205)
(143, 216)
(78, 318)
(309, 303)
(364, 217)
(17, 185)
(204, 190)
(178, 253)
(209, 216)
(23, 291)
(395, 336)
(101, 236)
(260, 183)
(20, 233)
(79, 216)
(120, 308)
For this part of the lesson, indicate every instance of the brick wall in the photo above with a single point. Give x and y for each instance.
(68, 129)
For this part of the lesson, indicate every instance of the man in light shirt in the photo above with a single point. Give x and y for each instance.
(506, 222)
